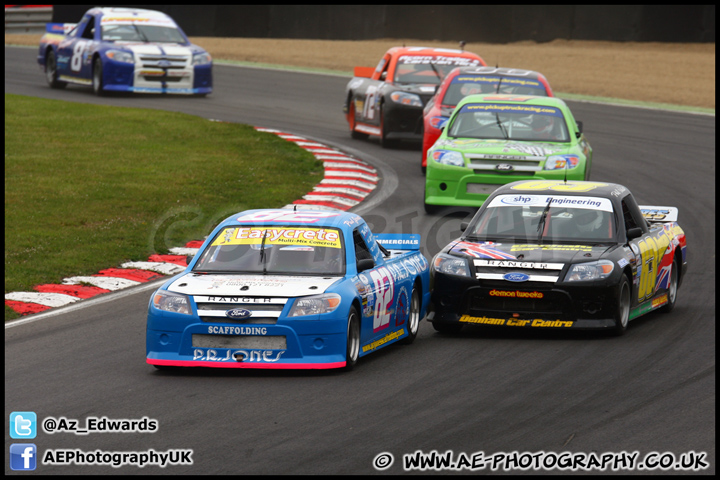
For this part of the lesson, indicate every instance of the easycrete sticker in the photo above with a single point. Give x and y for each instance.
(303, 236)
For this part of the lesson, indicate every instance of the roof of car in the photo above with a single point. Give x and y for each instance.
(561, 187)
(516, 99)
(501, 71)
(431, 51)
(308, 218)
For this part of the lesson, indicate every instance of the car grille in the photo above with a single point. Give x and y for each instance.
(268, 342)
(526, 302)
(265, 310)
(165, 61)
(518, 164)
(496, 269)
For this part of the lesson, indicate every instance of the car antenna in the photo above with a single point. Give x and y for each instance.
(566, 168)
(295, 208)
(462, 45)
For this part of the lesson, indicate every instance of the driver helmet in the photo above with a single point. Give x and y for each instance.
(588, 220)
(542, 124)
(470, 89)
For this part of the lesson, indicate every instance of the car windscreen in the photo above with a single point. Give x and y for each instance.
(133, 32)
(509, 122)
(291, 249)
(548, 218)
(474, 84)
(428, 69)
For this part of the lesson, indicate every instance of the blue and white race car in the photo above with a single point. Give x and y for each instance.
(124, 50)
(289, 290)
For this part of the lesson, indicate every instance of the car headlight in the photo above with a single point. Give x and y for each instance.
(438, 122)
(171, 302)
(315, 305)
(448, 157)
(202, 58)
(587, 272)
(405, 98)
(451, 265)
(559, 162)
(120, 56)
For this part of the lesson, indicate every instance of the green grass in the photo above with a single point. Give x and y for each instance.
(90, 187)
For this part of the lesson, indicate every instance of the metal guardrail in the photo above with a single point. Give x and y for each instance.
(27, 20)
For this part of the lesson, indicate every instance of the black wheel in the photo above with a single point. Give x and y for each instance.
(448, 328)
(622, 310)
(51, 71)
(97, 78)
(384, 141)
(672, 288)
(352, 348)
(413, 321)
(352, 122)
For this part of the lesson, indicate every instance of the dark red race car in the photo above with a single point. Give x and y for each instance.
(387, 101)
(465, 81)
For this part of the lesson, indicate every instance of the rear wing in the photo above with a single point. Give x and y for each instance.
(399, 241)
(659, 214)
(59, 28)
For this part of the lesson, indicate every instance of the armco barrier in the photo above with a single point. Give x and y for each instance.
(27, 18)
(471, 23)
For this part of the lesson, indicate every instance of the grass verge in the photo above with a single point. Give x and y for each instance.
(89, 187)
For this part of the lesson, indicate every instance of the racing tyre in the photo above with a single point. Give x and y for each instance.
(352, 348)
(384, 141)
(51, 71)
(622, 311)
(97, 78)
(413, 321)
(351, 120)
(672, 288)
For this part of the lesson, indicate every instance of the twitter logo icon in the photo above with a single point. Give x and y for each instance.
(23, 425)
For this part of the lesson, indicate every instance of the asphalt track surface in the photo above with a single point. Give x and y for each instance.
(652, 390)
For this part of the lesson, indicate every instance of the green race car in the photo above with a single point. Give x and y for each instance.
(492, 139)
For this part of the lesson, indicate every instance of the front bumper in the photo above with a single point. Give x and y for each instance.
(464, 301)
(123, 77)
(463, 187)
(187, 341)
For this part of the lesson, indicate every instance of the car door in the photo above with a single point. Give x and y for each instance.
(379, 296)
(647, 249)
(73, 52)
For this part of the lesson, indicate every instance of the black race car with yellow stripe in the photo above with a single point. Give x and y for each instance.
(563, 255)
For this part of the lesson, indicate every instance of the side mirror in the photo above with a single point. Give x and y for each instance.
(188, 259)
(634, 233)
(464, 225)
(365, 264)
(383, 75)
(578, 134)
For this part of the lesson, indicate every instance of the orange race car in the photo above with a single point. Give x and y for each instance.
(387, 101)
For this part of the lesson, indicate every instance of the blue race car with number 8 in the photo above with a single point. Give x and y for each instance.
(124, 50)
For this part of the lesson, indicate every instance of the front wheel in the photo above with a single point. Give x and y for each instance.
(51, 73)
(413, 321)
(672, 288)
(97, 78)
(384, 141)
(352, 348)
(622, 310)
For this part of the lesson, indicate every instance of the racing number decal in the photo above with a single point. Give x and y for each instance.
(370, 97)
(384, 292)
(77, 56)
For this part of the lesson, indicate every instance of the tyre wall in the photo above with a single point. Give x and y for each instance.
(471, 23)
